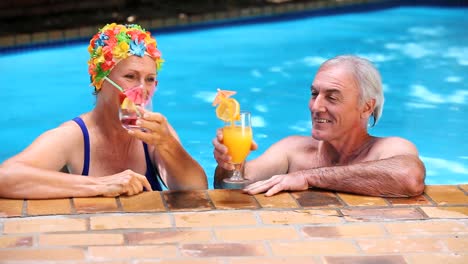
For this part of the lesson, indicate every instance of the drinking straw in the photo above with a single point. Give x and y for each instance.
(115, 85)
(122, 90)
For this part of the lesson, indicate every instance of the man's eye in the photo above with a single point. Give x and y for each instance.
(333, 98)
(130, 76)
(151, 79)
(314, 94)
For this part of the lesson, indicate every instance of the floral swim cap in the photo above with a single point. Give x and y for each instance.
(115, 42)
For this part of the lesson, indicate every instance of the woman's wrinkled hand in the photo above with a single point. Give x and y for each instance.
(127, 182)
(220, 151)
(155, 129)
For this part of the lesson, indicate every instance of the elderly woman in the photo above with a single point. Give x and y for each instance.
(117, 161)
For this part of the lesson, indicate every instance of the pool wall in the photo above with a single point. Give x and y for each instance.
(273, 12)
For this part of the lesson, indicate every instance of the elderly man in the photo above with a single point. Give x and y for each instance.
(340, 155)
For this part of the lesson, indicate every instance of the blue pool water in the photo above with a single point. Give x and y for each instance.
(422, 55)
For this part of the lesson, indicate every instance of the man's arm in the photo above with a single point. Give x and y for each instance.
(400, 175)
(219, 175)
(397, 171)
(273, 161)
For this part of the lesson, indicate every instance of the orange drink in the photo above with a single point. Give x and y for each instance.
(238, 140)
(237, 135)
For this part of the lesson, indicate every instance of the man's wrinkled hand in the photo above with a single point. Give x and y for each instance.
(278, 183)
(220, 151)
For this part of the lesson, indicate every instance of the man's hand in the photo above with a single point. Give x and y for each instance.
(277, 183)
(127, 182)
(221, 151)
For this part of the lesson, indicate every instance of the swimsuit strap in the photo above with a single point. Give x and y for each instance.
(152, 173)
(84, 130)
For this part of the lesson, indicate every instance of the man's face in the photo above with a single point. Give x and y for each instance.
(334, 104)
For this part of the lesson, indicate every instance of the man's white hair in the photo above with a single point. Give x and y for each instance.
(367, 78)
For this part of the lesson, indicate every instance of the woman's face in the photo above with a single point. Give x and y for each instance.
(135, 71)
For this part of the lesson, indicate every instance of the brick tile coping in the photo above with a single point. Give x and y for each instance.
(20, 41)
(438, 201)
(230, 227)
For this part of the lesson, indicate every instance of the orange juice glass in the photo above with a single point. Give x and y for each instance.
(238, 140)
(237, 137)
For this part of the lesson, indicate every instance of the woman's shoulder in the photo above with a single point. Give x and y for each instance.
(52, 146)
(69, 126)
(67, 131)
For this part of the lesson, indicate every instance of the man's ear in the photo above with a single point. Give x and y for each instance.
(368, 109)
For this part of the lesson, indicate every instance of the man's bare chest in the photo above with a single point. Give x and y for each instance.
(305, 160)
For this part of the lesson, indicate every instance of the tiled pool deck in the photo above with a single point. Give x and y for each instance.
(227, 227)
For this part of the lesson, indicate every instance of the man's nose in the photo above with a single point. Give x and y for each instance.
(317, 104)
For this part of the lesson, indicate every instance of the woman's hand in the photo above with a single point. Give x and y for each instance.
(127, 182)
(155, 129)
(221, 151)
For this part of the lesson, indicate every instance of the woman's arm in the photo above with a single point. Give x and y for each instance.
(177, 168)
(35, 173)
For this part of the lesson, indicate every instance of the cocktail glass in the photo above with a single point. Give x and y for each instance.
(136, 101)
(133, 102)
(237, 137)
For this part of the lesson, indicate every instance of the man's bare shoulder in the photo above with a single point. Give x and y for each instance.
(298, 143)
(300, 140)
(398, 141)
(392, 146)
(292, 145)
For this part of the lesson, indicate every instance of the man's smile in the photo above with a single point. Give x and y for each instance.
(321, 120)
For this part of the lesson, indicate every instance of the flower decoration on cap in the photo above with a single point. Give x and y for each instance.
(115, 42)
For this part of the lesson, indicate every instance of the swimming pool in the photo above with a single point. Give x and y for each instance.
(422, 56)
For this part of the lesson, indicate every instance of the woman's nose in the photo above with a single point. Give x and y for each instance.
(141, 83)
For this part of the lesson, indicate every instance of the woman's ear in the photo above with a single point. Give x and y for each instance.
(368, 109)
